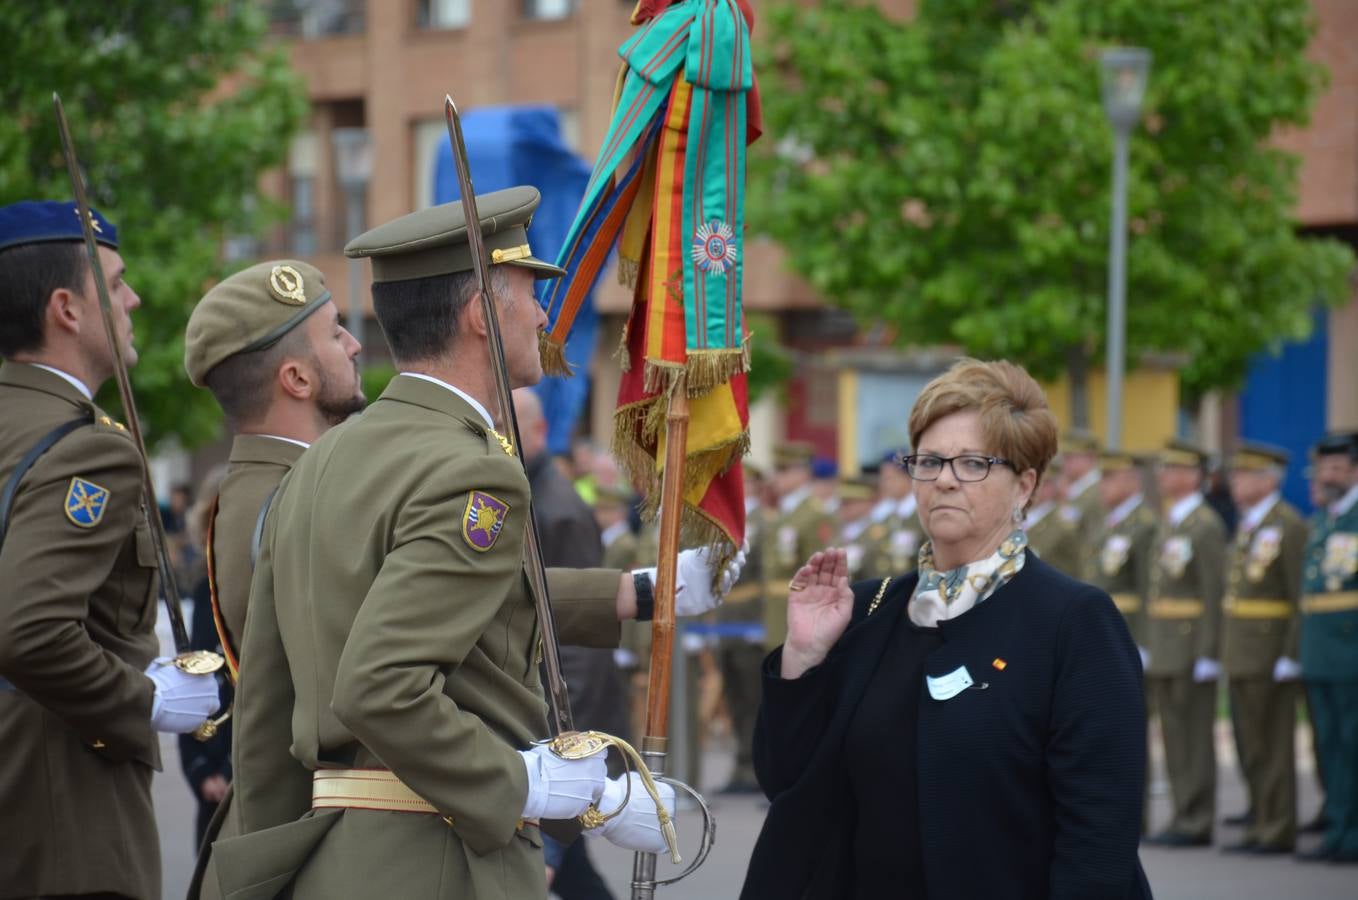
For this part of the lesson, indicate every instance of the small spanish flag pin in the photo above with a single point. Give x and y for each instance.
(999, 664)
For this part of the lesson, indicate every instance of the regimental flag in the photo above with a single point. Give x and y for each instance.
(668, 189)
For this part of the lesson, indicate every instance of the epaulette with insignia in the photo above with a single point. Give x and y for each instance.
(105, 420)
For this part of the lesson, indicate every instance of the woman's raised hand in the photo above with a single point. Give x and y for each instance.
(819, 605)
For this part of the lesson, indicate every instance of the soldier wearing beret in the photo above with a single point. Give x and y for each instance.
(1183, 638)
(1329, 640)
(268, 343)
(82, 693)
(802, 528)
(1260, 642)
(391, 631)
(1050, 536)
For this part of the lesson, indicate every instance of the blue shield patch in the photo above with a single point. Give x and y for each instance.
(85, 503)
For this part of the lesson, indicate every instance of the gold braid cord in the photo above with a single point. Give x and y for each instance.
(584, 744)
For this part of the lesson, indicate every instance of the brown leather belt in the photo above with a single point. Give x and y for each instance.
(376, 789)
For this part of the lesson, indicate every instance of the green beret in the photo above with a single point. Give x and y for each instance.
(249, 311)
(433, 241)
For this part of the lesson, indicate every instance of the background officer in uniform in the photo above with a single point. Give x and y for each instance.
(1124, 544)
(390, 619)
(857, 499)
(1050, 535)
(1329, 641)
(1260, 642)
(891, 543)
(81, 698)
(801, 528)
(1082, 509)
(268, 343)
(1183, 639)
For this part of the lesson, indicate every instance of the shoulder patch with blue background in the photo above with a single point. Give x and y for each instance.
(483, 520)
(85, 503)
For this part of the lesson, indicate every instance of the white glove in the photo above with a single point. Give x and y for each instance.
(561, 788)
(636, 827)
(1206, 670)
(625, 659)
(693, 594)
(1286, 669)
(1145, 657)
(183, 701)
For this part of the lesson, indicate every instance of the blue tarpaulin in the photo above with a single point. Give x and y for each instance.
(513, 145)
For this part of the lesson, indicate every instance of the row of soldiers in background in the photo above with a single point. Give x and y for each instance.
(1266, 606)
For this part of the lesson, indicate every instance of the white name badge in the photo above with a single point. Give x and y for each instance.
(945, 687)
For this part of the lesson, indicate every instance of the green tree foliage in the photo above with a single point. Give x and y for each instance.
(951, 175)
(176, 107)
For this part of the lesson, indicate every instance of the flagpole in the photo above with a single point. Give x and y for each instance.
(656, 738)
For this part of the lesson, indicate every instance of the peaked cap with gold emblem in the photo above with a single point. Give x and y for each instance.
(433, 241)
(1257, 456)
(251, 310)
(1183, 453)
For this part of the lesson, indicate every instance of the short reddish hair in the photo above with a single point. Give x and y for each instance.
(1016, 422)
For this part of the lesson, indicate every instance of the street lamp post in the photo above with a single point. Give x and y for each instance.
(353, 169)
(1124, 86)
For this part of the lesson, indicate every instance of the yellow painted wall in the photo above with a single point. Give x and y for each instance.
(1150, 405)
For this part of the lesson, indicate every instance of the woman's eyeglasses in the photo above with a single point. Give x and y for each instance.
(968, 467)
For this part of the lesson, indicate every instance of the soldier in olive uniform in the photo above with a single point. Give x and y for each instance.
(1260, 642)
(891, 543)
(857, 500)
(1125, 543)
(391, 629)
(1050, 536)
(268, 343)
(1183, 639)
(1329, 641)
(740, 651)
(82, 694)
(802, 528)
(1080, 476)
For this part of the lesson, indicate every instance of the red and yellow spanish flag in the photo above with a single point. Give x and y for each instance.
(668, 191)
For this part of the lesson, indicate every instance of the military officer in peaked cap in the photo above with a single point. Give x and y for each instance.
(82, 692)
(1183, 638)
(891, 543)
(390, 589)
(1329, 640)
(1049, 534)
(802, 527)
(1260, 642)
(268, 343)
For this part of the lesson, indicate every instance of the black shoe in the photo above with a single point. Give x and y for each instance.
(1246, 847)
(1271, 850)
(1175, 839)
(1239, 821)
(1344, 857)
(1319, 854)
(1318, 825)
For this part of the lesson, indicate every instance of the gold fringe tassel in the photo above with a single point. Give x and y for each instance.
(553, 356)
(708, 369)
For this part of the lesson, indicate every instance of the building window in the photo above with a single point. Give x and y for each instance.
(302, 195)
(317, 18)
(548, 10)
(443, 13)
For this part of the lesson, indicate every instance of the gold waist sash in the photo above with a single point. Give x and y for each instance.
(372, 789)
(1341, 601)
(1259, 608)
(1175, 608)
(1127, 604)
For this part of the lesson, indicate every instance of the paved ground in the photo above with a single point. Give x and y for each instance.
(1199, 874)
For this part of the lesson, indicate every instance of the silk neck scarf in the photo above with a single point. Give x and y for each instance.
(946, 595)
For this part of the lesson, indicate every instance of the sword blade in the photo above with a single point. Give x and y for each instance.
(169, 588)
(558, 699)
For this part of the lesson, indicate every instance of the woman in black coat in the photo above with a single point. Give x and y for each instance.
(975, 730)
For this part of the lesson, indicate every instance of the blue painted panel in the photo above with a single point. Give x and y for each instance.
(1283, 403)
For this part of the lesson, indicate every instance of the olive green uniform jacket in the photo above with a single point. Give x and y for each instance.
(891, 545)
(1188, 583)
(391, 627)
(256, 466)
(1085, 513)
(1057, 542)
(786, 547)
(1262, 606)
(1123, 557)
(77, 630)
